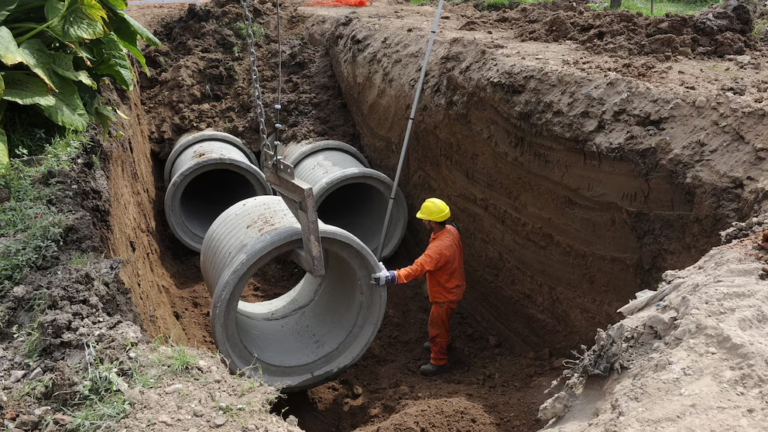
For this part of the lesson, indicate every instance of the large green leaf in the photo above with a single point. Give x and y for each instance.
(26, 89)
(133, 49)
(3, 149)
(128, 28)
(112, 60)
(81, 19)
(98, 112)
(128, 36)
(6, 6)
(68, 111)
(38, 58)
(10, 54)
(2, 86)
(115, 4)
(143, 33)
(62, 64)
(53, 8)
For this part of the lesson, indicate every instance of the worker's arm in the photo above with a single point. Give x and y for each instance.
(430, 260)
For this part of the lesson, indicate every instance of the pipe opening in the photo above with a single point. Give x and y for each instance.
(316, 320)
(358, 208)
(209, 194)
(273, 280)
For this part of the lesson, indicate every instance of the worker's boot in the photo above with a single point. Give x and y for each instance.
(431, 369)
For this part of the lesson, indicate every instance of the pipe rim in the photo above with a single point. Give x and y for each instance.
(173, 193)
(384, 185)
(226, 300)
(188, 140)
(295, 153)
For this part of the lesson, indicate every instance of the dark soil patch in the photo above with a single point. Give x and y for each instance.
(712, 32)
(200, 78)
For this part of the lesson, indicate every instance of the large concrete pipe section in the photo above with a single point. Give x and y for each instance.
(206, 173)
(308, 335)
(349, 194)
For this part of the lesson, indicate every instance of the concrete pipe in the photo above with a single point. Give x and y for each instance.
(313, 332)
(349, 194)
(206, 173)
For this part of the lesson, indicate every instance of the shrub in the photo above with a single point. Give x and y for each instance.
(53, 53)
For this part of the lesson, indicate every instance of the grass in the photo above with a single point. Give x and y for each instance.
(79, 259)
(97, 414)
(644, 6)
(181, 359)
(35, 389)
(30, 227)
(661, 8)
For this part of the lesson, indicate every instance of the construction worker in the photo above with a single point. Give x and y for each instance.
(443, 263)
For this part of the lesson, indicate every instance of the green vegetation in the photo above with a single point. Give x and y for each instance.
(181, 359)
(30, 226)
(661, 8)
(100, 401)
(258, 31)
(53, 53)
(80, 259)
(644, 6)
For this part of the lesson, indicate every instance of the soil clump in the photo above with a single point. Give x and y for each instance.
(201, 79)
(711, 32)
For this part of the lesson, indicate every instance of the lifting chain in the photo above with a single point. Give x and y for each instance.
(298, 195)
(264, 143)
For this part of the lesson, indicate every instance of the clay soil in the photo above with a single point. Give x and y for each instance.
(199, 80)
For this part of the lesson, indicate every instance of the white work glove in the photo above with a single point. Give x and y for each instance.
(384, 277)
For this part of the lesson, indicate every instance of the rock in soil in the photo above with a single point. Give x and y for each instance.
(27, 422)
(37, 373)
(218, 422)
(62, 419)
(16, 376)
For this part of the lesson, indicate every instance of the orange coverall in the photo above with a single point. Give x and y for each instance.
(443, 263)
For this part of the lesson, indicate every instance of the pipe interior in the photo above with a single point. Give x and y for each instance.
(358, 208)
(312, 320)
(273, 280)
(209, 194)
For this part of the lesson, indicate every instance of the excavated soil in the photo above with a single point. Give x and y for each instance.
(711, 32)
(576, 179)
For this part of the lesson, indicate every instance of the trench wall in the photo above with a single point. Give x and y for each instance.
(571, 192)
(134, 231)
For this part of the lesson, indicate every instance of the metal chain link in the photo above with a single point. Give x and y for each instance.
(255, 77)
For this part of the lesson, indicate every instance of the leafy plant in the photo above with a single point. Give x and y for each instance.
(257, 29)
(53, 52)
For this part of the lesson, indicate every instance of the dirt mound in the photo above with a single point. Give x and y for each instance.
(438, 415)
(686, 353)
(71, 296)
(200, 78)
(710, 32)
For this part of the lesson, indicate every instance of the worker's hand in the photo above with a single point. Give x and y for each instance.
(384, 278)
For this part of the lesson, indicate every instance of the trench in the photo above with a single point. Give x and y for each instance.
(556, 238)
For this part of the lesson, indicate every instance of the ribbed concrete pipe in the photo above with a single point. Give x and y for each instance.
(206, 173)
(310, 334)
(349, 194)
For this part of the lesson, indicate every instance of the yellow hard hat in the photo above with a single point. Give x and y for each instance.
(434, 209)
